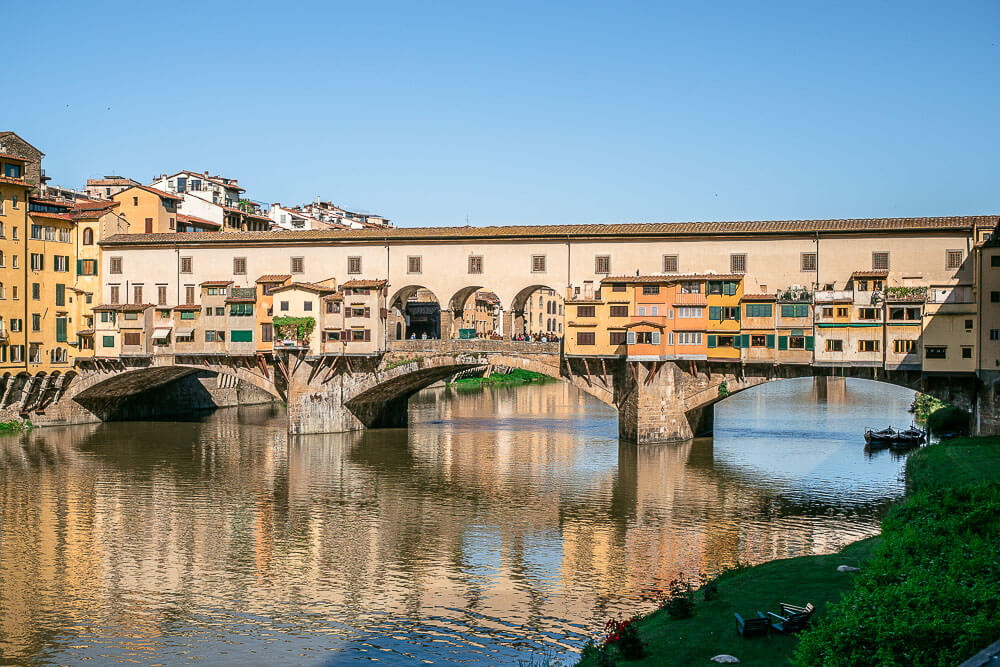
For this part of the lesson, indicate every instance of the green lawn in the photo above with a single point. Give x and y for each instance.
(926, 594)
(712, 629)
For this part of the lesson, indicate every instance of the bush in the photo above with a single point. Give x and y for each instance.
(948, 419)
(680, 600)
(931, 594)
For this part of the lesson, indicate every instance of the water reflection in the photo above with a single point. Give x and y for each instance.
(504, 522)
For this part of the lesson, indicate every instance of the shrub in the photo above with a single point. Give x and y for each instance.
(930, 595)
(679, 602)
(948, 419)
(623, 636)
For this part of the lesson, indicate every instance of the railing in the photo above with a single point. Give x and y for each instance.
(473, 345)
(834, 295)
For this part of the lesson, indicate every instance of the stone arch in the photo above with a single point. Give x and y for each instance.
(416, 320)
(457, 304)
(383, 403)
(526, 319)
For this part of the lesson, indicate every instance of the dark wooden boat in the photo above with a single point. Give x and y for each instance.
(883, 438)
(911, 437)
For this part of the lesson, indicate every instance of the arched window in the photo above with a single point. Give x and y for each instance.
(88, 236)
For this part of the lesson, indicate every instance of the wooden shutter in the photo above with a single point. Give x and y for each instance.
(368, 335)
(656, 338)
(809, 343)
(770, 341)
(368, 311)
(715, 313)
(782, 342)
(630, 338)
(712, 340)
(745, 340)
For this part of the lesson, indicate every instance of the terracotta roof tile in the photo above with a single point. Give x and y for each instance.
(540, 232)
(15, 181)
(760, 297)
(358, 282)
(187, 306)
(216, 283)
(878, 273)
(197, 221)
(152, 190)
(643, 323)
(312, 287)
(51, 216)
(672, 278)
(274, 278)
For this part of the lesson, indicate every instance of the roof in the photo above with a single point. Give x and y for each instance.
(216, 283)
(880, 273)
(312, 287)
(51, 216)
(537, 232)
(334, 297)
(113, 180)
(187, 306)
(9, 133)
(85, 332)
(760, 297)
(274, 278)
(672, 278)
(358, 282)
(151, 190)
(240, 299)
(643, 323)
(197, 221)
(206, 177)
(8, 156)
(134, 307)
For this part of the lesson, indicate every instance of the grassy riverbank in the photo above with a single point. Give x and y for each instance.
(516, 376)
(928, 592)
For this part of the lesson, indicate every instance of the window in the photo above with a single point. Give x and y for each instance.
(647, 337)
(475, 264)
(354, 265)
(189, 294)
(807, 261)
(602, 264)
(619, 311)
(690, 312)
(796, 342)
(616, 338)
(936, 352)
(538, 263)
(994, 334)
(953, 259)
(738, 263)
(60, 294)
(586, 338)
(968, 324)
(689, 338)
(64, 235)
(88, 236)
(115, 265)
(902, 346)
(36, 322)
(266, 332)
(843, 311)
(36, 232)
(670, 263)
(966, 352)
(60, 263)
(241, 336)
(724, 287)
(131, 316)
(722, 341)
(585, 311)
(38, 262)
(36, 291)
(186, 263)
(307, 305)
(689, 287)
(650, 290)
(240, 310)
(758, 310)
(239, 266)
(283, 306)
(868, 346)
(867, 313)
(14, 261)
(880, 261)
(795, 310)
(414, 264)
(137, 294)
(618, 287)
(161, 295)
(298, 264)
(994, 259)
(187, 314)
(107, 341)
(834, 345)
(130, 338)
(114, 293)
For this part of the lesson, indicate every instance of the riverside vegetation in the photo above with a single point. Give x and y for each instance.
(927, 593)
(516, 376)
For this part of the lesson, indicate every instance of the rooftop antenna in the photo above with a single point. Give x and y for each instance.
(466, 219)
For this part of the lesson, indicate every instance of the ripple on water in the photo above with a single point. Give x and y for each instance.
(503, 524)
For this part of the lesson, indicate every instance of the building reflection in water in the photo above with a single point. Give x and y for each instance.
(503, 522)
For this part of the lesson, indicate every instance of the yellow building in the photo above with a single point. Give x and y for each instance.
(148, 210)
(723, 296)
(14, 191)
(51, 259)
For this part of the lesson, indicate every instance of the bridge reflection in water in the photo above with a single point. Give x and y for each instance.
(502, 522)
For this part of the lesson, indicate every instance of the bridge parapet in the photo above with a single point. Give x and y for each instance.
(473, 346)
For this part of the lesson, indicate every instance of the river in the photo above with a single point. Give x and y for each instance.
(505, 525)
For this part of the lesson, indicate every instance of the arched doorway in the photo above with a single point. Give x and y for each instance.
(537, 310)
(475, 313)
(415, 313)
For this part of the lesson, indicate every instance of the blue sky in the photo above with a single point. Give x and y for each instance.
(527, 113)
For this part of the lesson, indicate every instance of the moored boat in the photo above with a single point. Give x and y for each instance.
(882, 438)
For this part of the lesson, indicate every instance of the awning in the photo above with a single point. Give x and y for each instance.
(161, 334)
(183, 332)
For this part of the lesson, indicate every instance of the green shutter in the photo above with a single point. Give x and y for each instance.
(787, 310)
(79, 267)
(745, 340)
(60, 329)
(715, 313)
(60, 294)
(802, 310)
(782, 342)
(711, 340)
(809, 342)
(108, 341)
(766, 310)
(241, 336)
(770, 341)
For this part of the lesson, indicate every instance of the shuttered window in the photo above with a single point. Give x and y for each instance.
(538, 265)
(298, 265)
(670, 263)
(476, 264)
(186, 264)
(130, 338)
(880, 261)
(414, 264)
(602, 264)
(617, 338)
(585, 338)
(619, 311)
(808, 261)
(738, 263)
(239, 266)
(241, 336)
(354, 265)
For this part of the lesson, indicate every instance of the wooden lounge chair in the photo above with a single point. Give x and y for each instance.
(794, 618)
(753, 627)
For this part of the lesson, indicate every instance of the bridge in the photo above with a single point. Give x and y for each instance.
(656, 401)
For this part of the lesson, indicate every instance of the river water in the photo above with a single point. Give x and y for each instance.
(506, 525)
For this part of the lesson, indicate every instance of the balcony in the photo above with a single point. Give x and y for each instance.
(831, 296)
